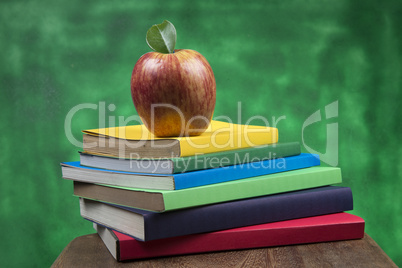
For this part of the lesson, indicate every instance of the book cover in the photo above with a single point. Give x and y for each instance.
(191, 163)
(137, 140)
(324, 228)
(165, 200)
(74, 171)
(146, 225)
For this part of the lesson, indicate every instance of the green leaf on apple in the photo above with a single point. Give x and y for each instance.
(162, 37)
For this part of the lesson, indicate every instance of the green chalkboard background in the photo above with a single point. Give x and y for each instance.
(281, 59)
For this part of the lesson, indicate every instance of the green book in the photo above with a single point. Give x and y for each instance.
(191, 163)
(165, 200)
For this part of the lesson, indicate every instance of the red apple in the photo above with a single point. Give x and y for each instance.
(174, 93)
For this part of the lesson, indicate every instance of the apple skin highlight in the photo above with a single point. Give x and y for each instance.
(174, 94)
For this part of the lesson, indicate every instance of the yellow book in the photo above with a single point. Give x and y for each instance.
(137, 142)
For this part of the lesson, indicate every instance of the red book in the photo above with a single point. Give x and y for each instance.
(331, 227)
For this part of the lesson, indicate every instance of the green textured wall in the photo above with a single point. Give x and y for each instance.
(278, 58)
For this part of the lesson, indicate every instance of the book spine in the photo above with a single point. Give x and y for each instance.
(241, 171)
(240, 238)
(312, 202)
(228, 158)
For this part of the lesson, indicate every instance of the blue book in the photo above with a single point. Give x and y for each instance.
(75, 171)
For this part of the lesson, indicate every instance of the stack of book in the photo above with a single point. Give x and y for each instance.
(233, 187)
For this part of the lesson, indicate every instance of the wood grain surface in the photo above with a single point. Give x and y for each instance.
(89, 251)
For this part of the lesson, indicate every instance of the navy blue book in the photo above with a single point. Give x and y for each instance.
(145, 225)
(74, 171)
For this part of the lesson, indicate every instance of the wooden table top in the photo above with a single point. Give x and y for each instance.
(89, 251)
